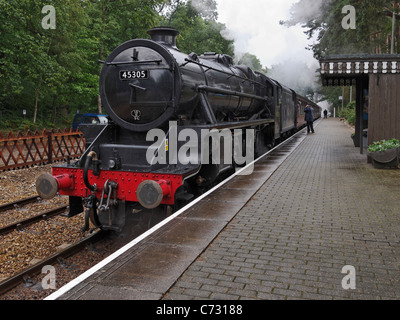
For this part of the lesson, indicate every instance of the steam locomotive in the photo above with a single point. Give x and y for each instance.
(151, 86)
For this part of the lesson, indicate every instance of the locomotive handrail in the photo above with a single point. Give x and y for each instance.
(90, 147)
(137, 87)
(224, 72)
(132, 62)
(233, 93)
(234, 125)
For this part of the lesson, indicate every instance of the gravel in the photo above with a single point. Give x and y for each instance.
(20, 184)
(21, 249)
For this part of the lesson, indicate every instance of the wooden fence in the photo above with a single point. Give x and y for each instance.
(36, 148)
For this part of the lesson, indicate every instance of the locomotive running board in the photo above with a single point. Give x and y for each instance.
(234, 125)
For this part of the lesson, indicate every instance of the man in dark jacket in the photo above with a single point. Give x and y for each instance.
(309, 118)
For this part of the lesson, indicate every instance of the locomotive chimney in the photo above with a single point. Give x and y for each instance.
(165, 35)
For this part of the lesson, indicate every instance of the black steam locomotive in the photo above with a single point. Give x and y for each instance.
(160, 102)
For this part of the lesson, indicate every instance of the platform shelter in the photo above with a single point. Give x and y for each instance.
(377, 79)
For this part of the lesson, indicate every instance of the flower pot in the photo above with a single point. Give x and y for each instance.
(353, 137)
(385, 159)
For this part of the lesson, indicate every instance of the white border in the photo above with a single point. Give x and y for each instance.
(97, 267)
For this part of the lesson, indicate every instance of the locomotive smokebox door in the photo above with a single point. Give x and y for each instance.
(140, 84)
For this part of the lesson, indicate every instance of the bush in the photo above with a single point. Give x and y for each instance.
(384, 145)
(349, 113)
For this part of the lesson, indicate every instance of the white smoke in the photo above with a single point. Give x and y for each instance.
(296, 75)
(304, 11)
(206, 8)
(300, 75)
(280, 47)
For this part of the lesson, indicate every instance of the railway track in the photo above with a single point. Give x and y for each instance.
(27, 231)
(19, 225)
(25, 275)
(18, 203)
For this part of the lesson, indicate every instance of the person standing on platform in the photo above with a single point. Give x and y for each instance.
(309, 118)
(326, 114)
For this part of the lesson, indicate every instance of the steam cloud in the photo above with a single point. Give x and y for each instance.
(304, 11)
(298, 76)
(206, 8)
(291, 65)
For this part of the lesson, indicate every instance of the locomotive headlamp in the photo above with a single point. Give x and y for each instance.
(111, 164)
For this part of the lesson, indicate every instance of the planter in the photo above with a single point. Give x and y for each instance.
(353, 137)
(385, 159)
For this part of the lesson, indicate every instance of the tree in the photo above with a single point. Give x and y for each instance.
(115, 22)
(251, 61)
(51, 73)
(39, 61)
(199, 31)
(323, 20)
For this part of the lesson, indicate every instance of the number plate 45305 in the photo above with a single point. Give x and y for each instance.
(130, 75)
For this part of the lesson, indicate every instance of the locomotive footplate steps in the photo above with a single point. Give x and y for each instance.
(150, 265)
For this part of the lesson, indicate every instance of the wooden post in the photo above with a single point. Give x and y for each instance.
(50, 146)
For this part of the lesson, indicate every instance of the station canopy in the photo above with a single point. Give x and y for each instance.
(345, 70)
(377, 81)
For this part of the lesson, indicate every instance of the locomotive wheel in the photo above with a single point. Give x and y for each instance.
(183, 196)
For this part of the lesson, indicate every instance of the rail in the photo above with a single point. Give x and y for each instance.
(12, 282)
(38, 148)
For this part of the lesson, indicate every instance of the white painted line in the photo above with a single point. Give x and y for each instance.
(130, 245)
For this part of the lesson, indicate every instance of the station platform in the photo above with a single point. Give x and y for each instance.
(322, 224)
(323, 212)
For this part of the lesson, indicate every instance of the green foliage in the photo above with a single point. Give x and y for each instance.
(324, 22)
(199, 31)
(40, 69)
(53, 73)
(384, 145)
(348, 113)
(251, 61)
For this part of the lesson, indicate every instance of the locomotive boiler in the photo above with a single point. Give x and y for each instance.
(148, 85)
